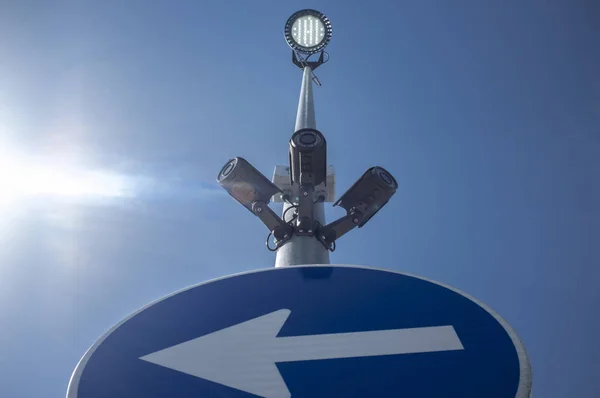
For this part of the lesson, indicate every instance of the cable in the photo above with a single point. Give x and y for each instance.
(293, 206)
(316, 80)
(332, 247)
(267, 243)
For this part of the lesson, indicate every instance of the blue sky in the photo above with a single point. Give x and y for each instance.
(115, 118)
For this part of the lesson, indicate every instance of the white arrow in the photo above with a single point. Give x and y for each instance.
(243, 356)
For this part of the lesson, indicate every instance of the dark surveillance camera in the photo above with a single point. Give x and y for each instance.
(246, 184)
(368, 195)
(308, 157)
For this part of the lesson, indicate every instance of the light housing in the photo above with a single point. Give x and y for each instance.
(308, 31)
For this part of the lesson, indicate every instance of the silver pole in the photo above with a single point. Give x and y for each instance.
(304, 249)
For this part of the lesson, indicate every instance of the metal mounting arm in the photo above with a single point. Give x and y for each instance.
(278, 227)
(305, 222)
(329, 233)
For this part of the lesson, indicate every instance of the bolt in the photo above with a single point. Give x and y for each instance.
(304, 193)
(355, 221)
(259, 210)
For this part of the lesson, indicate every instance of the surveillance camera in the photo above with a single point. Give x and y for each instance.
(246, 184)
(369, 194)
(308, 157)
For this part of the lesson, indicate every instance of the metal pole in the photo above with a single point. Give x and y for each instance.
(304, 249)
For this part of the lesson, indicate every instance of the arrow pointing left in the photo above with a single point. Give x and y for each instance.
(244, 356)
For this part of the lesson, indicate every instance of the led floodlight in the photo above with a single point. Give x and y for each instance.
(308, 31)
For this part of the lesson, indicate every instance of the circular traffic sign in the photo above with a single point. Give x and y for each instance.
(308, 331)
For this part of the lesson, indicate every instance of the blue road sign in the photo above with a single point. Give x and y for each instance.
(308, 331)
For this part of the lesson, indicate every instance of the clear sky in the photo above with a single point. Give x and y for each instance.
(116, 116)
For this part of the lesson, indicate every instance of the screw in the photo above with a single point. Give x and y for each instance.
(355, 221)
(305, 193)
(259, 210)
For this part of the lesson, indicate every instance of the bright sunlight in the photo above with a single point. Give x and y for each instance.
(22, 176)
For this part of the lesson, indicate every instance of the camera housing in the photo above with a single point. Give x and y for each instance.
(368, 194)
(308, 157)
(245, 183)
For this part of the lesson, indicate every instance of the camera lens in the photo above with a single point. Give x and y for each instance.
(308, 138)
(386, 178)
(228, 168)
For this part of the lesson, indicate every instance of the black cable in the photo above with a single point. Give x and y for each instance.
(267, 243)
(332, 247)
(293, 206)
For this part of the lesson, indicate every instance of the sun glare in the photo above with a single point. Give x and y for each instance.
(22, 176)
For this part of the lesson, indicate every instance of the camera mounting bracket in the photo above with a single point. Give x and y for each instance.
(328, 234)
(281, 230)
(305, 225)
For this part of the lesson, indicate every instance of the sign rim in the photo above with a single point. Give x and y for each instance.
(525, 373)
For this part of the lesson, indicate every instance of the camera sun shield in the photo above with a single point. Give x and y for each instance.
(369, 194)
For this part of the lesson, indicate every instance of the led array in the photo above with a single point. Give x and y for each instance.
(308, 31)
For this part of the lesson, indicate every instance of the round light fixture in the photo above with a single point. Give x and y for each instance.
(308, 31)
